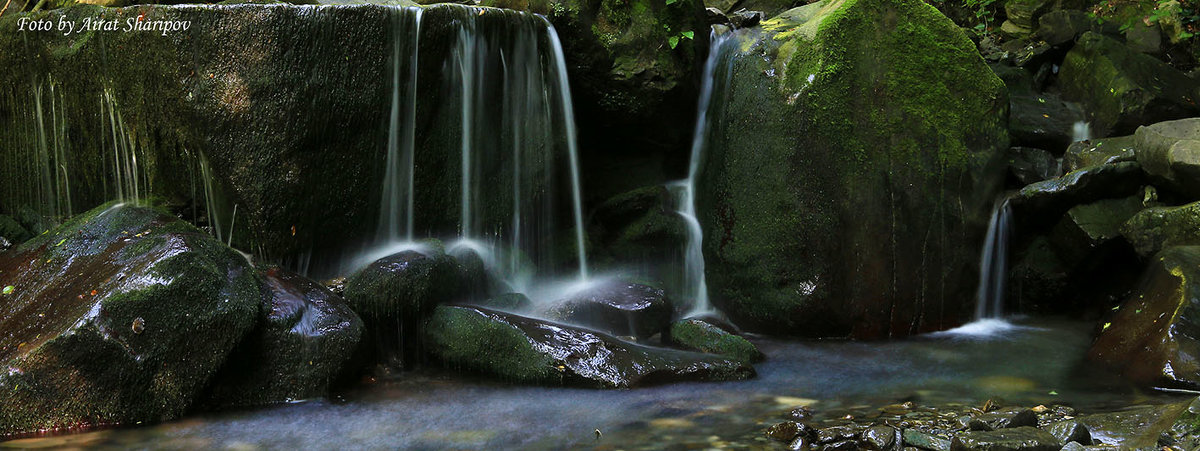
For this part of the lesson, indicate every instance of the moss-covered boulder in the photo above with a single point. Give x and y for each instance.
(394, 295)
(614, 306)
(1158, 324)
(305, 337)
(847, 182)
(697, 335)
(1170, 152)
(1121, 89)
(1157, 228)
(1042, 203)
(120, 316)
(526, 350)
(1098, 151)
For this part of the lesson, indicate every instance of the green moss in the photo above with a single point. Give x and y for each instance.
(701, 336)
(466, 338)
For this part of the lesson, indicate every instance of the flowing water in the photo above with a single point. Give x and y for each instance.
(993, 265)
(1031, 363)
(398, 184)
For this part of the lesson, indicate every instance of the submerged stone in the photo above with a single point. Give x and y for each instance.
(1011, 439)
(615, 307)
(846, 188)
(697, 335)
(526, 350)
(119, 316)
(304, 340)
(394, 295)
(1158, 324)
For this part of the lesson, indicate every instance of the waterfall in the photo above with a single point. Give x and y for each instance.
(398, 185)
(568, 114)
(993, 265)
(695, 287)
(1081, 131)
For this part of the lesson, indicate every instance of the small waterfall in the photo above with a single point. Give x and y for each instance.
(993, 265)
(695, 286)
(131, 177)
(1082, 131)
(398, 185)
(568, 115)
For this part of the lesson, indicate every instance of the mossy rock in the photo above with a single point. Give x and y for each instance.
(305, 338)
(525, 350)
(697, 335)
(1158, 323)
(1157, 228)
(638, 227)
(12, 231)
(395, 294)
(1121, 89)
(847, 183)
(1170, 153)
(1043, 203)
(1096, 152)
(120, 316)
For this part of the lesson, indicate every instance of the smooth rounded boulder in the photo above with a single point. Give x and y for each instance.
(850, 171)
(615, 307)
(120, 316)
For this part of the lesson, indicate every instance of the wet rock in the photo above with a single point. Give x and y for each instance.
(526, 350)
(1138, 427)
(1068, 431)
(881, 438)
(1185, 433)
(924, 440)
(4, 244)
(785, 431)
(1038, 277)
(697, 335)
(1170, 151)
(1122, 89)
(1099, 151)
(1156, 323)
(845, 445)
(69, 329)
(1157, 228)
(303, 341)
(394, 295)
(1042, 120)
(615, 307)
(715, 16)
(744, 18)
(805, 235)
(637, 227)
(1009, 439)
(836, 434)
(1044, 202)
(1030, 165)
(12, 231)
(1062, 27)
(508, 302)
(1085, 233)
(1004, 419)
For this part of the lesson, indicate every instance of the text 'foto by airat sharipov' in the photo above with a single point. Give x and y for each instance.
(68, 26)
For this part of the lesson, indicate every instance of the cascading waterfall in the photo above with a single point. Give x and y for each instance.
(507, 115)
(695, 287)
(993, 265)
(130, 177)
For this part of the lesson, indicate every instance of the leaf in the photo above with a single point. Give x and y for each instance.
(688, 34)
(674, 41)
(9, 290)
(671, 2)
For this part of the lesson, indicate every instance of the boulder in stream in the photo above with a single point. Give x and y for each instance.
(616, 307)
(120, 316)
(526, 350)
(697, 335)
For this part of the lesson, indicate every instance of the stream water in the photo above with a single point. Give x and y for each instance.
(1029, 362)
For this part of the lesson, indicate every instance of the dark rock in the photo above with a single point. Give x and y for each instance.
(394, 295)
(1042, 120)
(836, 434)
(12, 231)
(508, 302)
(1038, 277)
(1010, 439)
(801, 413)
(1044, 202)
(1098, 151)
(715, 16)
(1156, 323)
(821, 231)
(923, 440)
(1185, 433)
(784, 432)
(526, 350)
(119, 316)
(1031, 165)
(1138, 427)
(303, 341)
(1068, 431)
(881, 438)
(637, 227)
(5, 244)
(1085, 230)
(1170, 152)
(1121, 89)
(1062, 27)
(1157, 228)
(697, 335)
(615, 307)
(743, 18)
(1004, 419)
(845, 445)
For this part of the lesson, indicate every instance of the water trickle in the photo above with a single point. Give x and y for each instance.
(398, 184)
(568, 114)
(993, 265)
(1082, 131)
(695, 286)
(131, 180)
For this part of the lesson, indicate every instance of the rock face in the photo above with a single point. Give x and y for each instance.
(1170, 151)
(1122, 89)
(615, 307)
(637, 227)
(121, 315)
(1045, 201)
(303, 341)
(526, 350)
(844, 190)
(1096, 152)
(394, 295)
(1157, 228)
(1158, 323)
(697, 335)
